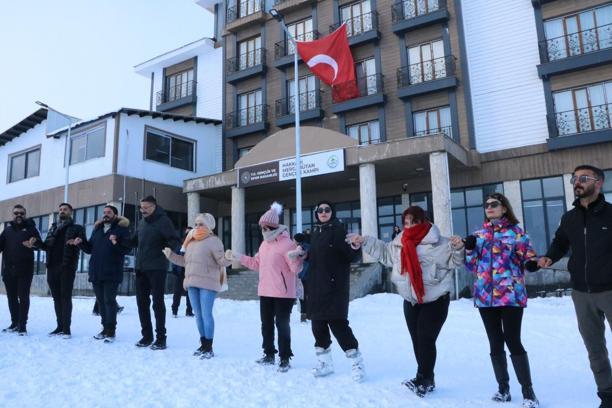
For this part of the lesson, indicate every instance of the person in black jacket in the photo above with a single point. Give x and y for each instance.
(179, 291)
(16, 242)
(154, 232)
(587, 231)
(107, 246)
(330, 257)
(62, 262)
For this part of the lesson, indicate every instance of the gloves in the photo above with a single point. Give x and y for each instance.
(296, 253)
(470, 242)
(167, 251)
(532, 266)
(232, 256)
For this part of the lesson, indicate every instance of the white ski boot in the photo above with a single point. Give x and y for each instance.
(358, 370)
(325, 366)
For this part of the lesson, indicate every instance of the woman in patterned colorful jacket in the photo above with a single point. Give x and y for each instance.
(498, 255)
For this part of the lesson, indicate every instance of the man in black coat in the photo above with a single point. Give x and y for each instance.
(587, 231)
(16, 243)
(108, 247)
(154, 232)
(62, 263)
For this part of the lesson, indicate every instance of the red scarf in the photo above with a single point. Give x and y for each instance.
(410, 261)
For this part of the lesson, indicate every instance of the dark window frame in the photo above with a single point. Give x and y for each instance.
(163, 133)
(25, 153)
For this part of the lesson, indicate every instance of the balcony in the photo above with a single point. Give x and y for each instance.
(246, 65)
(426, 77)
(370, 93)
(575, 51)
(243, 14)
(310, 108)
(360, 29)
(245, 121)
(176, 96)
(283, 50)
(409, 15)
(283, 6)
(581, 126)
(445, 130)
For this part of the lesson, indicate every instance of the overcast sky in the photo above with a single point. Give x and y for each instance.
(79, 55)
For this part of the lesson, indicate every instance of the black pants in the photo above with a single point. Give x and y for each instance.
(178, 293)
(151, 283)
(503, 325)
(276, 311)
(96, 307)
(341, 330)
(106, 297)
(18, 294)
(61, 281)
(424, 323)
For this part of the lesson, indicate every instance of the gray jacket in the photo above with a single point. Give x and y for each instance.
(437, 260)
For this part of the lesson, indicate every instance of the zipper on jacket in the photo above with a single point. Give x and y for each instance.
(284, 283)
(586, 260)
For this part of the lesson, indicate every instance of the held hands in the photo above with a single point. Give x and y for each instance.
(29, 243)
(456, 242)
(470, 242)
(296, 253)
(355, 240)
(167, 251)
(232, 256)
(113, 239)
(544, 262)
(74, 241)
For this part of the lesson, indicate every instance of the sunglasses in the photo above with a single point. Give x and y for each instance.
(322, 210)
(18, 213)
(493, 204)
(582, 179)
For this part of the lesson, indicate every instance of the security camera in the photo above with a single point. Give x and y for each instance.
(405, 187)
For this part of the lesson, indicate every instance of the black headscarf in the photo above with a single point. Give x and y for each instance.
(333, 211)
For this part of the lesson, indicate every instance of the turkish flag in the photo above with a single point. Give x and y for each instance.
(331, 60)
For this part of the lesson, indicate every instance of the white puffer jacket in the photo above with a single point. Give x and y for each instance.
(437, 259)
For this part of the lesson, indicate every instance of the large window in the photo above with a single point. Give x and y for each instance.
(366, 133)
(308, 219)
(433, 121)
(248, 7)
(389, 215)
(87, 145)
(179, 85)
(169, 149)
(414, 8)
(307, 93)
(349, 214)
(357, 17)
(367, 79)
(424, 201)
(40, 256)
(467, 206)
(426, 62)
(301, 31)
(24, 165)
(577, 34)
(584, 109)
(250, 108)
(543, 206)
(249, 53)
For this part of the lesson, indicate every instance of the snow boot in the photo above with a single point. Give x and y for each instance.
(66, 335)
(424, 386)
(109, 337)
(284, 365)
(56, 332)
(200, 349)
(267, 359)
(500, 368)
(207, 352)
(358, 369)
(606, 399)
(11, 329)
(523, 374)
(412, 383)
(101, 335)
(144, 342)
(325, 366)
(160, 343)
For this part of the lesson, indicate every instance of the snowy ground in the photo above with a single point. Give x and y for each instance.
(40, 371)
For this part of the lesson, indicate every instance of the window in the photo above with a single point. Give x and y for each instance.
(467, 207)
(168, 149)
(366, 77)
(366, 133)
(87, 217)
(358, 17)
(301, 31)
(249, 53)
(583, 109)
(40, 256)
(179, 85)
(307, 219)
(543, 206)
(242, 151)
(250, 108)
(24, 165)
(349, 214)
(426, 62)
(389, 215)
(87, 145)
(249, 7)
(433, 121)
(414, 8)
(424, 201)
(607, 187)
(577, 34)
(307, 93)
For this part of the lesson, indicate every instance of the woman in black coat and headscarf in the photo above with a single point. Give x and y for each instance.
(330, 257)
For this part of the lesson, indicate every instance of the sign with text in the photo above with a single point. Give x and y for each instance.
(315, 164)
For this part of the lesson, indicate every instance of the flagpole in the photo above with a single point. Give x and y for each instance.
(298, 136)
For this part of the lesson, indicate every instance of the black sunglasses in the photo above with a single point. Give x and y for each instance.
(18, 213)
(493, 204)
(322, 210)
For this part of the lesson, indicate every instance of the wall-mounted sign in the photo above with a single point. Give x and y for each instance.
(314, 164)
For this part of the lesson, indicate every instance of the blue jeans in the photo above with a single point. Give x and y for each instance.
(202, 301)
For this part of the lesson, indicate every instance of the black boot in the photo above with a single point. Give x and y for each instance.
(523, 374)
(200, 350)
(500, 368)
(160, 343)
(208, 352)
(606, 399)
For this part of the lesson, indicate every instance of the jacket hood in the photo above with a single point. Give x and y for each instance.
(121, 221)
(432, 237)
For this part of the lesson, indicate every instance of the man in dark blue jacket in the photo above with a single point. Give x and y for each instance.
(107, 246)
(16, 243)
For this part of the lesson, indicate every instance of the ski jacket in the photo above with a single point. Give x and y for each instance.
(15, 255)
(498, 264)
(588, 233)
(106, 261)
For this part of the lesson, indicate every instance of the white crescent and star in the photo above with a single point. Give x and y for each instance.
(324, 59)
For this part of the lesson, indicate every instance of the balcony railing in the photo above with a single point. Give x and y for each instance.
(578, 43)
(584, 120)
(246, 117)
(308, 101)
(358, 24)
(407, 9)
(176, 92)
(447, 130)
(426, 71)
(247, 60)
(286, 47)
(366, 86)
(243, 9)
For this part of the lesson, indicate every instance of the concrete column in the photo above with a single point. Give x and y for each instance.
(193, 207)
(405, 201)
(367, 194)
(238, 222)
(287, 218)
(569, 192)
(512, 191)
(440, 192)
